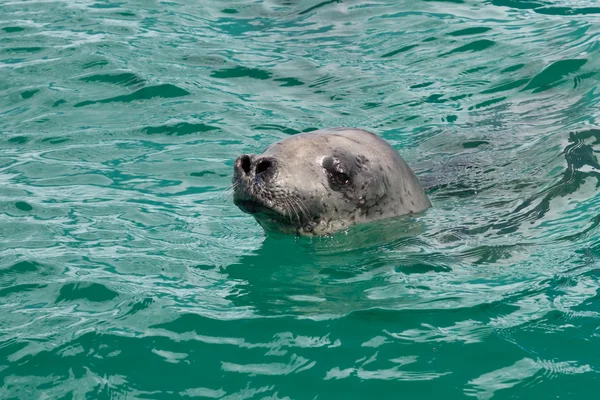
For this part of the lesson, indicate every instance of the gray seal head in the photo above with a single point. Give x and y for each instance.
(319, 182)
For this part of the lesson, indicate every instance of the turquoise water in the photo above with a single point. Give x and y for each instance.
(127, 272)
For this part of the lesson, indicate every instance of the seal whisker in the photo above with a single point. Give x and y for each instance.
(284, 209)
(298, 211)
(302, 206)
(291, 205)
(228, 191)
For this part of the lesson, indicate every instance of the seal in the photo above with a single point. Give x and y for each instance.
(320, 182)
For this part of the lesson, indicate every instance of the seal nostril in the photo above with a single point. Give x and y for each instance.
(262, 166)
(245, 164)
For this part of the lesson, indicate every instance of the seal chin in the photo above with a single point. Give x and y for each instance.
(270, 217)
(259, 209)
(252, 206)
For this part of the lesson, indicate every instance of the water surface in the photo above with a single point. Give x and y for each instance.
(127, 272)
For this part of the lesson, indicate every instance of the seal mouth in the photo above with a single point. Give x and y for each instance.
(272, 212)
(257, 207)
(268, 216)
(252, 206)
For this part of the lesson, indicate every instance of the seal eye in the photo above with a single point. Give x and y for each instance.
(337, 172)
(340, 178)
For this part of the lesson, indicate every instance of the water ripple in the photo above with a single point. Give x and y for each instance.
(127, 271)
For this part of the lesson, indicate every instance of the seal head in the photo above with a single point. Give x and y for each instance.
(319, 182)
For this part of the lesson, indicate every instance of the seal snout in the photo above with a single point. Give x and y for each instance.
(254, 167)
(254, 182)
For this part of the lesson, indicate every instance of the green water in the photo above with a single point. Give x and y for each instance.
(127, 272)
